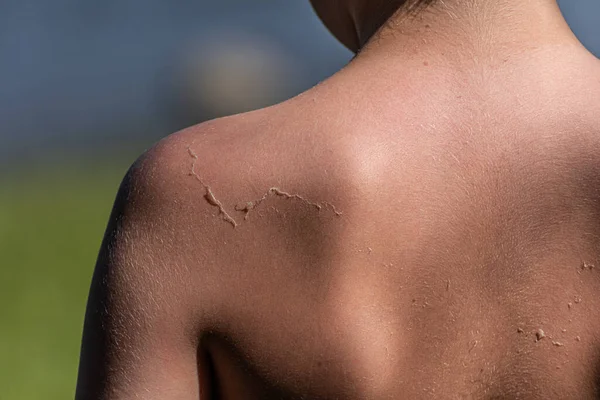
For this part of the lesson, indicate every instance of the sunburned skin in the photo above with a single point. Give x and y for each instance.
(210, 196)
(470, 198)
(540, 334)
(251, 205)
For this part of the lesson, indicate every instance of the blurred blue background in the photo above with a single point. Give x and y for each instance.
(85, 87)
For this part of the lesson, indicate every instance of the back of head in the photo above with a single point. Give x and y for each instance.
(352, 22)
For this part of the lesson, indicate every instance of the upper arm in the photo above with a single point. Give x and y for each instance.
(140, 334)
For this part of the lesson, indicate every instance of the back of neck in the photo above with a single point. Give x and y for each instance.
(471, 28)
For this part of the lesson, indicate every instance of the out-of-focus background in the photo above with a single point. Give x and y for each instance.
(85, 87)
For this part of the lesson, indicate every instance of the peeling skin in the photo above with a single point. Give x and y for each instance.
(539, 335)
(210, 196)
(585, 266)
(475, 342)
(558, 344)
(251, 205)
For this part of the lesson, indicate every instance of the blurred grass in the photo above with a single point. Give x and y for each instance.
(51, 227)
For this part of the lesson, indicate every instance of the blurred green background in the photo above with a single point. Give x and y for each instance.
(86, 87)
(51, 224)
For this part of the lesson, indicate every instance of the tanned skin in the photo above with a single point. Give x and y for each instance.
(425, 224)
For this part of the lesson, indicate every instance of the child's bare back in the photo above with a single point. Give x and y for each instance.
(418, 226)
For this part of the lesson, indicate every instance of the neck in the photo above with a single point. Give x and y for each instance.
(472, 28)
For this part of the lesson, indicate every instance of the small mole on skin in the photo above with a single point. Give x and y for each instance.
(539, 335)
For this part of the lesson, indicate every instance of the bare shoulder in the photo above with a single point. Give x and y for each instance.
(179, 197)
(201, 199)
(194, 213)
(221, 169)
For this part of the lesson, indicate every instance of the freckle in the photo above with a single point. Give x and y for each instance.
(427, 26)
(426, 63)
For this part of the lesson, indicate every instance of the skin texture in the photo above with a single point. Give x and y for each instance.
(354, 22)
(424, 224)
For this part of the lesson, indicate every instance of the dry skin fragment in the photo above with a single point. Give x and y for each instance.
(577, 299)
(539, 335)
(557, 344)
(578, 338)
(585, 266)
(210, 196)
(251, 205)
(519, 330)
(475, 342)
